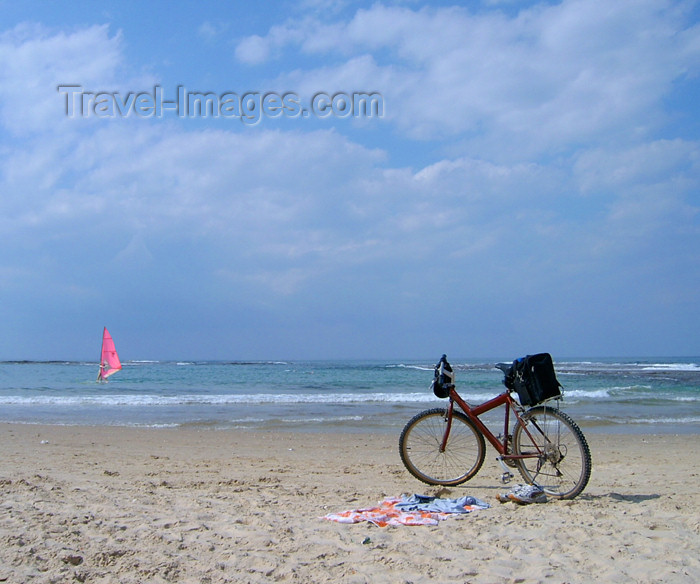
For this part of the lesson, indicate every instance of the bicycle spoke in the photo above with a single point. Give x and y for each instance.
(420, 448)
(562, 465)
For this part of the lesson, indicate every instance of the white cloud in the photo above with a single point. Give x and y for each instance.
(210, 31)
(253, 50)
(542, 80)
(652, 204)
(542, 183)
(34, 61)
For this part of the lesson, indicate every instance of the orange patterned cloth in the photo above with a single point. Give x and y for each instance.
(395, 511)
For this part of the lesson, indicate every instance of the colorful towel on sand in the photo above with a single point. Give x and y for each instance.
(413, 510)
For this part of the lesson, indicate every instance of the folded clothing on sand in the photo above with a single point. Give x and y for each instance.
(438, 505)
(410, 510)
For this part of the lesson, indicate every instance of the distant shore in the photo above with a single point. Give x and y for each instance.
(113, 504)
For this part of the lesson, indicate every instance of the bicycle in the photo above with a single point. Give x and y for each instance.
(445, 446)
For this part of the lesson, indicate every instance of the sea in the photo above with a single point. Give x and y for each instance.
(649, 395)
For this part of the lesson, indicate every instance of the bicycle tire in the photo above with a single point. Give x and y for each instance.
(419, 446)
(565, 466)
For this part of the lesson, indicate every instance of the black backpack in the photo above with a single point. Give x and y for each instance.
(534, 379)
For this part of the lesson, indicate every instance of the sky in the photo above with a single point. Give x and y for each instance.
(312, 179)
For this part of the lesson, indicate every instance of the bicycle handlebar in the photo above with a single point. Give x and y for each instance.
(443, 366)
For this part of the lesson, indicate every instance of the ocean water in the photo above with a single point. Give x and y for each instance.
(602, 395)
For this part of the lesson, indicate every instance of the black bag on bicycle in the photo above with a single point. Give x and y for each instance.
(534, 379)
(444, 378)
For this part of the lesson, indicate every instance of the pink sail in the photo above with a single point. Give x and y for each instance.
(109, 360)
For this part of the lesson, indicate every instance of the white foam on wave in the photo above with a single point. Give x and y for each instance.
(586, 394)
(108, 400)
(416, 367)
(322, 420)
(661, 420)
(671, 367)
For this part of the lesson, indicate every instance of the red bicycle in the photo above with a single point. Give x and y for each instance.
(445, 446)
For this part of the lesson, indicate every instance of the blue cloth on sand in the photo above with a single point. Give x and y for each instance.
(438, 505)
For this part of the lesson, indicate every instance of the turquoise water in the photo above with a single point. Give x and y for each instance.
(609, 395)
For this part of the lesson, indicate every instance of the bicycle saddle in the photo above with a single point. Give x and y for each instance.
(505, 367)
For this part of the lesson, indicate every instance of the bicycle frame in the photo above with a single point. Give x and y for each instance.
(473, 413)
(446, 446)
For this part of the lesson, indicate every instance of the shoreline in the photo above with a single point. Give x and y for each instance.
(114, 504)
(358, 427)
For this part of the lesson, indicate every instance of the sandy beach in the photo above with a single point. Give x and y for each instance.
(109, 504)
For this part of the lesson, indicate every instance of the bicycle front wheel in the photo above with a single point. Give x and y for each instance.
(420, 448)
(562, 465)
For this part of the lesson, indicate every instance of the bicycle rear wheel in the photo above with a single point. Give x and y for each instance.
(563, 467)
(420, 441)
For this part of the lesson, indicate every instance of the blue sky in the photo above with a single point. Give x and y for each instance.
(532, 183)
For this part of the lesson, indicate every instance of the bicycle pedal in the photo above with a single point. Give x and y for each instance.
(506, 477)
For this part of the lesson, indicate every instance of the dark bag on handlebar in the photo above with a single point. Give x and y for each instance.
(534, 379)
(444, 379)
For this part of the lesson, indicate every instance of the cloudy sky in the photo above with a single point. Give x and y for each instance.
(528, 179)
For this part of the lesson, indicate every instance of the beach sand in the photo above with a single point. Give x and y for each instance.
(108, 505)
